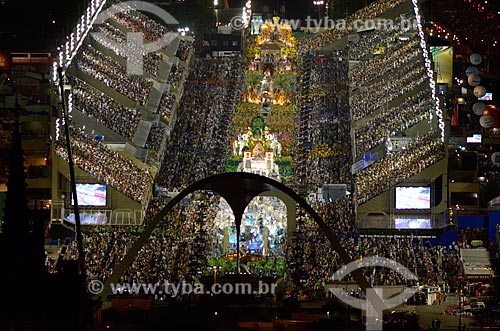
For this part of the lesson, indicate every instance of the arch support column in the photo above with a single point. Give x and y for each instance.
(238, 188)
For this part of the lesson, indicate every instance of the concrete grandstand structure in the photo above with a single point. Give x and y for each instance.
(121, 101)
(352, 109)
(395, 112)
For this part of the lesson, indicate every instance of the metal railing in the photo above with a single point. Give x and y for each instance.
(97, 216)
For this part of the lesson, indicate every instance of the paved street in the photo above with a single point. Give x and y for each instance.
(429, 313)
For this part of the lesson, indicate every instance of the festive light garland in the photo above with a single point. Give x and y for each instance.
(68, 50)
(428, 67)
(70, 102)
(58, 128)
(73, 41)
(246, 13)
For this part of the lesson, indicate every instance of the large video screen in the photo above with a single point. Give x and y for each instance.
(412, 223)
(488, 97)
(91, 195)
(89, 219)
(413, 197)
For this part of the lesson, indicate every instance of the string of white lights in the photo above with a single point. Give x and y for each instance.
(247, 13)
(58, 128)
(70, 102)
(68, 50)
(428, 67)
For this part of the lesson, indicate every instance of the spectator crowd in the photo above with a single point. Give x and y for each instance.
(180, 245)
(324, 121)
(113, 74)
(372, 11)
(134, 51)
(105, 110)
(395, 168)
(155, 32)
(108, 166)
(393, 122)
(201, 136)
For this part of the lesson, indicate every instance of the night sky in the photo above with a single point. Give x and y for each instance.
(39, 24)
(42, 25)
(36, 24)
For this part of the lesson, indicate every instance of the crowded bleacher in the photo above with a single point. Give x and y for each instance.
(155, 139)
(105, 110)
(203, 98)
(108, 71)
(108, 166)
(172, 251)
(325, 100)
(377, 40)
(393, 122)
(129, 48)
(390, 94)
(167, 105)
(372, 11)
(139, 22)
(153, 31)
(397, 167)
(201, 135)
(402, 53)
(397, 83)
(315, 262)
(175, 76)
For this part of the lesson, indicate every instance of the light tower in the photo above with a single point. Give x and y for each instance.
(318, 4)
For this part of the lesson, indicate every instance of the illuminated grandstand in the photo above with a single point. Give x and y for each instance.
(401, 136)
(351, 110)
(397, 127)
(124, 77)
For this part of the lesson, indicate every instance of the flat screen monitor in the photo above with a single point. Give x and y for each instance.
(89, 219)
(488, 97)
(475, 139)
(413, 197)
(412, 223)
(91, 195)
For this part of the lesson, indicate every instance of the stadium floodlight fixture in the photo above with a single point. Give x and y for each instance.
(183, 31)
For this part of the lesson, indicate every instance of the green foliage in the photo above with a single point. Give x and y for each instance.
(258, 122)
(253, 79)
(268, 266)
(223, 265)
(233, 162)
(252, 49)
(285, 166)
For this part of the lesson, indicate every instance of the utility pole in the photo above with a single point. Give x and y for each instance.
(79, 237)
